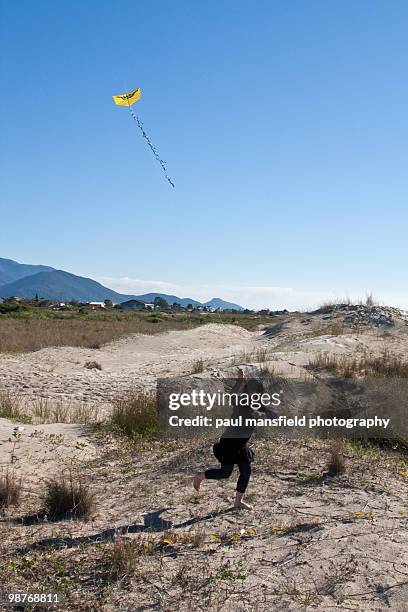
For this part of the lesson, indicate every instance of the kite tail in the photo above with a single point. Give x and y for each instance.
(151, 145)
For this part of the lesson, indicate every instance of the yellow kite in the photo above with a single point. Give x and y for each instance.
(127, 99)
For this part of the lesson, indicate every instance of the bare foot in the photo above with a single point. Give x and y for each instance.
(242, 505)
(198, 479)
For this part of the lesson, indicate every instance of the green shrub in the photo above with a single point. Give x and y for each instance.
(11, 307)
(198, 366)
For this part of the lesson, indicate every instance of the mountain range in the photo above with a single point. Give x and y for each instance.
(25, 280)
(11, 271)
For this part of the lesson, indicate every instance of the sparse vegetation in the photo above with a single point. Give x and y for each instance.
(155, 542)
(198, 366)
(10, 489)
(68, 496)
(20, 408)
(92, 365)
(52, 411)
(370, 300)
(259, 355)
(135, 414)
(385, 365)
(124, 556)
(334, 328)
(329, 305)
(30, 330)
(12, 407)
(230, 571)
(213, 563)
(336, 465)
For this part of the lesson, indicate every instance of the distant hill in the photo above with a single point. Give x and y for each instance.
(170, 299)
(60, 285)
(222, 304)
(11, 271)
(51, 284)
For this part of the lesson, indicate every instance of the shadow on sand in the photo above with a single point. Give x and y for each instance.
(152, 523)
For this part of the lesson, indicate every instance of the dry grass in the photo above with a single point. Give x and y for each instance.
(92, 365)
(260, 355)
(51, 411)
(135, 414)
(198, 367)
(12, 407)
(10, 489)
(334, 328)
(19, 335)
(45, 411)
(385, 365)
(20, 408)
(125, 555)
(328, 305)
(23, 335)
(269, 368)
(67, 497)
(336, 465)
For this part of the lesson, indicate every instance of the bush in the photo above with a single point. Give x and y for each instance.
(135, 414)
(11, 307)
(66, 498)
(124, 557)
(154, 319)
(198, 366)
(92, 365)
(10, 489)
(336, 465)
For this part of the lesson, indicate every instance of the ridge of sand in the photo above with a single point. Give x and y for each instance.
(133, 360)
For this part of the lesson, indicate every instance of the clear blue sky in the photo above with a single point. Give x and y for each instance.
(284, 125)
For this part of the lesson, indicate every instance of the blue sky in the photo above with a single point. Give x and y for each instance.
(284, 125)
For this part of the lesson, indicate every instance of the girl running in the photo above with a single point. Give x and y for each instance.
(232, 448)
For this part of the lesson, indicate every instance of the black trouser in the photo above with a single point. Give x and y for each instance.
(225, 471)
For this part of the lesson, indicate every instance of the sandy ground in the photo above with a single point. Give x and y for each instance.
(136, 360)
(312, 542)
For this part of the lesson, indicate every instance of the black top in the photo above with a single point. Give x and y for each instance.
(233, 442)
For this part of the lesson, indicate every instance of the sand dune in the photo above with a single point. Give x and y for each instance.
(313, 541)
